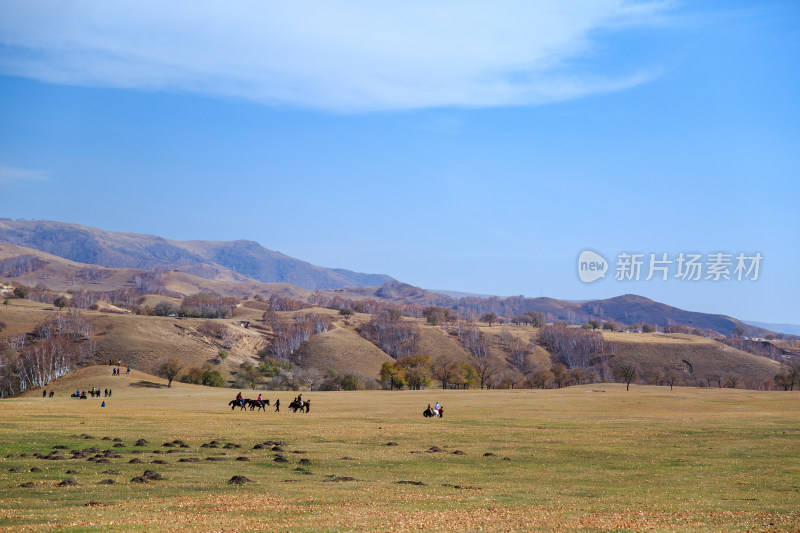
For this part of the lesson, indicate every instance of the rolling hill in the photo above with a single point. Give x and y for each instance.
(240, 260)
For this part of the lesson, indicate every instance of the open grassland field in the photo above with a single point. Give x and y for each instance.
(592, 458)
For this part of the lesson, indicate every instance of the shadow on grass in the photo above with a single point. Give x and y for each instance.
(148, 385)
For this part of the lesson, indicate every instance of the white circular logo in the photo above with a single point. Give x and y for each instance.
(591, 266)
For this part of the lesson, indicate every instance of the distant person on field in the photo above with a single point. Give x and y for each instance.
(278, 405)
(44, 393)
(308, 406)
(129, 370)
(260, 401)
(103, 404)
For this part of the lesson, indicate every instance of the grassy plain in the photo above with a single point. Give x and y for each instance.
(592, 458)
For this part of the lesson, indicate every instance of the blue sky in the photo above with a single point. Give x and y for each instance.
(448, 144)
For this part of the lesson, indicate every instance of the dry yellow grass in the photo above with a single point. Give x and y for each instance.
(589, 458)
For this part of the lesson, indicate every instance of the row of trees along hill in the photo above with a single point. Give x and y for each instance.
(51, 350)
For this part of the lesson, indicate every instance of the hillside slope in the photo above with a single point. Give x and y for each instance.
(342, 350)
(241, 259)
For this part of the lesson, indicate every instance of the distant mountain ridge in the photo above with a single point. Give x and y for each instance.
(244, 259)
(791, 329)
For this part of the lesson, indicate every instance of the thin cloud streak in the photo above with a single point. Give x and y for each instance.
(11, 175)
(351, 55)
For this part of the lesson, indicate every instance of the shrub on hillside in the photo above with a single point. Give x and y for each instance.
(204, 375)
(21, 291)
(281, 303)
(347, 381)
(207, 305)
(165, 308)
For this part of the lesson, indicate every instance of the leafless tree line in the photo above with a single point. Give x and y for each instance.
(288, 335)
(391, 334)
(49, 352)
(574, 348)
(19, 266)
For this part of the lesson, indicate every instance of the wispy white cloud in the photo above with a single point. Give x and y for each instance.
(11, 174)
(339, 55)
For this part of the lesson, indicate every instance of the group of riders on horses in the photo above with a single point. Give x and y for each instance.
(437, 411)
(297, 404)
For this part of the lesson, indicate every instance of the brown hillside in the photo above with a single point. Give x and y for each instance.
(241, 260)
(63, 275)
(143, 341)
(136, 383)
(656, 352)
(342, 350)
(434, 343)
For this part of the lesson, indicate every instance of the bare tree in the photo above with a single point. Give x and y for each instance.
(539, 379)
(627, 372)
(732, 381)
(448, 371)
(347, 314)
(560, 375)
(489, 318)
(169, 370)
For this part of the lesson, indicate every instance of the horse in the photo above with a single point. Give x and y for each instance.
(253, 404)
(296, 406)
(431, 413)
(241, 403)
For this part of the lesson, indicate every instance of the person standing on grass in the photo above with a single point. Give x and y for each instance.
(278, 405)
(308, 406)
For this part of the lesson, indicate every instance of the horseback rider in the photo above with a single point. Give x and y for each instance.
(260, 401)
(240, 399)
